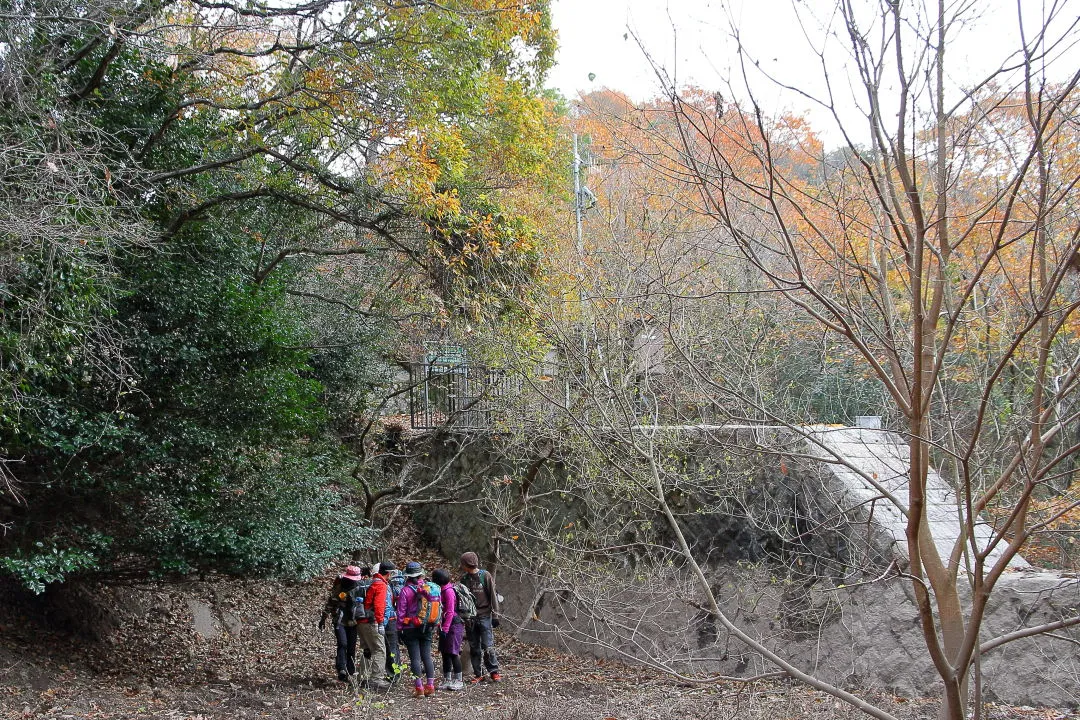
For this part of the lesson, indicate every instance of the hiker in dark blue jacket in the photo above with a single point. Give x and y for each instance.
(396, 578)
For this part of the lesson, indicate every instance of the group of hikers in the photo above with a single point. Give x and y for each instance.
(379, 608)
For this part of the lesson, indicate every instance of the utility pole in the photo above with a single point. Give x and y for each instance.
(583, 200)
(580, 249)
(578, 198)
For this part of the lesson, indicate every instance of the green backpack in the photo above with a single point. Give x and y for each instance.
(465, 604)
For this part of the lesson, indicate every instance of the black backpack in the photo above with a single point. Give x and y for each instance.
(353, 610)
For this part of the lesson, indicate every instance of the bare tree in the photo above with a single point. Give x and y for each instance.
(960, 215)
(937, 261)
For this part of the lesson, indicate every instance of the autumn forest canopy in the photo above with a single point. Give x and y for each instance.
(226, 226)
(229, 229)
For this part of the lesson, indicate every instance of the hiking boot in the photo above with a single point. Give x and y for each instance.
(447, 680)
(476, 679)
(429, 689)
(378, 685)
(456, 685)
(418, 690)
(496, 677)
(343, 677)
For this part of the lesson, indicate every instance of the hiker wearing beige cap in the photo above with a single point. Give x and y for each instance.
(479, 628)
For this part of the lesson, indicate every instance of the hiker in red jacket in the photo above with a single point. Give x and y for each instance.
(371, 629)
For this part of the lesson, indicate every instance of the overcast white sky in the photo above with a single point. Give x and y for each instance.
(593, 38)
(692, 39)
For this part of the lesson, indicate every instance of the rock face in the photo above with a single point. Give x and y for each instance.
(865, 636)
(203, 619)
(797, 562)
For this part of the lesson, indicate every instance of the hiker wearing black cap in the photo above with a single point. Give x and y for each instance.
(371, 628)
(479, 629)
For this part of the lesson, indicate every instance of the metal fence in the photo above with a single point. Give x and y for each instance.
(462, 396)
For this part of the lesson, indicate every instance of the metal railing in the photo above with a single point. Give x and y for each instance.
(466, 397)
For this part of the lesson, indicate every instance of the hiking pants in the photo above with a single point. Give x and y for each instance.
(346, 649)
(450, 647)
(392, 641)
(418, 642)
(374, 645)
(482, 645)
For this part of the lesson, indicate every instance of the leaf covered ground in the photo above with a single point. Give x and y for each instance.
(146, 660)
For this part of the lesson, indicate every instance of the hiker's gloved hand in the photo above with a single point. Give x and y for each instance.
(367, 653)
(495, 622)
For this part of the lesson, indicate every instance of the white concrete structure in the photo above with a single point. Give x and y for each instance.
(875, 467)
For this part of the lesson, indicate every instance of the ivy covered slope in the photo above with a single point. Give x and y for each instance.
(217, 224)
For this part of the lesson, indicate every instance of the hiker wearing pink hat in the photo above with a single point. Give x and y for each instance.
(341, 606)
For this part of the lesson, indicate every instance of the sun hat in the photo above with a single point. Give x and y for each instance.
(413, 569)
(352, 573)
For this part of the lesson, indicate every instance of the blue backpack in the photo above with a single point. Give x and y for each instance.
(391, 604)
(396, 581)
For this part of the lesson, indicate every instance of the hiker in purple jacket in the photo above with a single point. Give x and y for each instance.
(415, 633)
(451, 633)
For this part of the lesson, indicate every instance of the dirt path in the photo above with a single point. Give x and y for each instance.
(294, 681)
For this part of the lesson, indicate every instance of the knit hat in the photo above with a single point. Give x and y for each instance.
(413, 569)
(386, 567)
(469, 559)
(352, 573)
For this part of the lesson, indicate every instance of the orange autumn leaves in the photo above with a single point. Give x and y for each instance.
(838, 221)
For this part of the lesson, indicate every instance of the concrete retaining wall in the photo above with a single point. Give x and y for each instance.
(832, 619)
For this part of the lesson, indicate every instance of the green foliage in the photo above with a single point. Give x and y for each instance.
(44, 565)
(487, 257)
(276, 516)
(182, 364)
